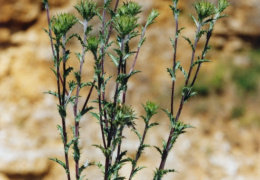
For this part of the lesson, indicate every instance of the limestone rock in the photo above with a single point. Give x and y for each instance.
(3, 177)
(22, 11)
(5, 35)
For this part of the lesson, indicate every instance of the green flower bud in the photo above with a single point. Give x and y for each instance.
(93, 44)
(222, 5)
(62, 23)
(125, 24)
(204, 9)
(130, 8)
(87, 9)
(150, 108)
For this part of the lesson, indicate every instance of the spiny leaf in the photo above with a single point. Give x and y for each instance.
(115, 60)
(164, 144)
(78, 56)
(137, 169)
(61, 163)
(100, 166)
(152, 16)
(194, 19)
(95, 115)
(72, 85)
(122, 154)
(183, 72)
(128, 55)
(70, 37)
(61, 132)
(179, 31)
(189, 41)
(152, 125)
(52, 93)
(76, 152)
(62, 111)
(81, 113)
(55, 72)
(85, 84)
(177, 65)
(85, 165)
(106, 152)
(67, 71)
(187, 93)
(200, 33)
(141, 42)
(69, 144)
(159, 173)
(142, 147)
(199, 62)
(138, 134)
(173, 43)
(158, 149)
(172, 74)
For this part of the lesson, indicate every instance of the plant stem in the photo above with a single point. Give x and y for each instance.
(89, 94)
(112, 129)
(169, 144)
(174, 58)
(119, 144)
(75, 108)
(138, 154)
(49, 25)
(59, 78)
(193, 55)
(64, 106)
(118, 71)
(111, 25)
(100, 111)
(102, 63)
(203, 55)
(138, 50)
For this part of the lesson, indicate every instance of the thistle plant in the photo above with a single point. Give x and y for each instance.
(115, 114)
(207, 14)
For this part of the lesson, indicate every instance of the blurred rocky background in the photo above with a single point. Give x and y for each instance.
(223, 146)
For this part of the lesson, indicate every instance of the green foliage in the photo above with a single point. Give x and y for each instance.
(237, 111)
(214, 84)
(245, 79)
